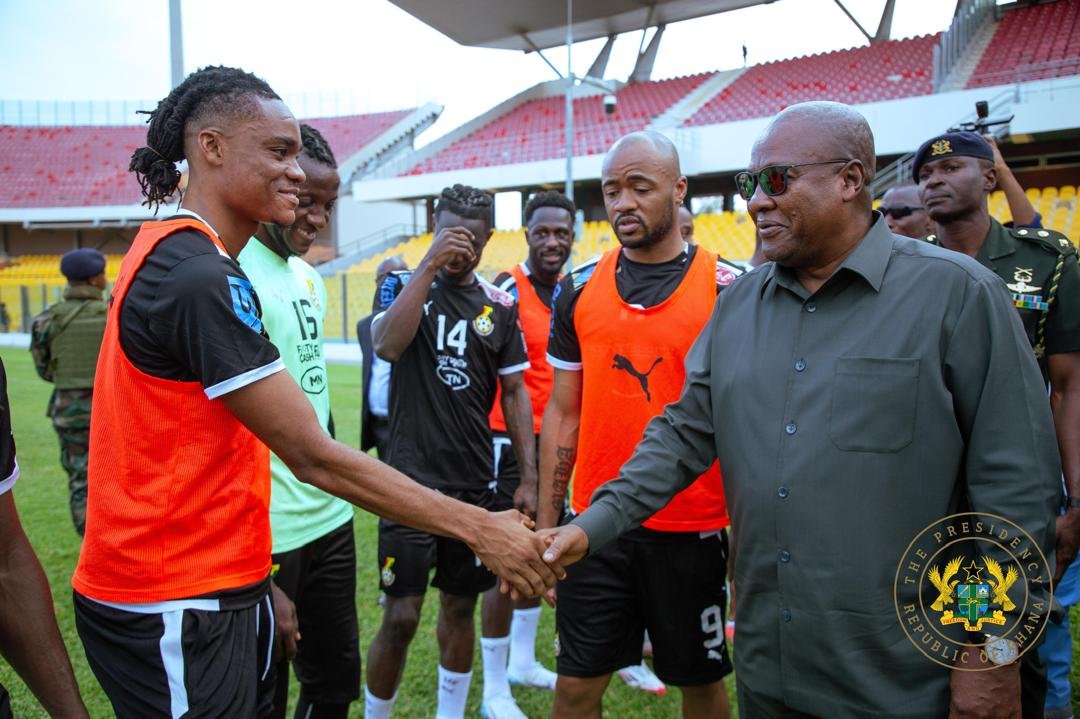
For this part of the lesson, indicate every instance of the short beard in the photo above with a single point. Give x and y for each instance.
(651, 236)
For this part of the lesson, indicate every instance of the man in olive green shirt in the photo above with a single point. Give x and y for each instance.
(853, 390)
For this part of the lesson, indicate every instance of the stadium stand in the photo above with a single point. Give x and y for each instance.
(46, 268)
(1032, 43)
(882, 71)
(731, 234)
(87, 166)
(534, 130)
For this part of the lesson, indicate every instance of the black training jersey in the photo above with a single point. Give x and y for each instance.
(191, 315)
(645, 285)
(443, 385)
(9, 468)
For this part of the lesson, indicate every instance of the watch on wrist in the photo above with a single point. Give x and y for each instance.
(1072, 502)
(1000, 651)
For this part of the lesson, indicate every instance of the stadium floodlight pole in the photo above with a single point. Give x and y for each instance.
(569, 100)
(176, 43)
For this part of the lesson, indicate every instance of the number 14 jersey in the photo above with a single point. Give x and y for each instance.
(443, 385)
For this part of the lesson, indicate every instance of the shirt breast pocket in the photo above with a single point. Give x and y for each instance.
(873, 404)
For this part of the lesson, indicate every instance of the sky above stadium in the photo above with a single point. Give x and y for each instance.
(340, 56)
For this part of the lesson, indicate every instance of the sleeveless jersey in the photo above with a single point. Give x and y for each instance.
(179, 490)
(632, 360)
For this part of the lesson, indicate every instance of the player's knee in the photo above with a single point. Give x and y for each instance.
(400, 620)
(457, 609)
(575, 696)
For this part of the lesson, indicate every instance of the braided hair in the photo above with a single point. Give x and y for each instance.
(316, 146)
(467, 202)
(548, 198)
(214, 90)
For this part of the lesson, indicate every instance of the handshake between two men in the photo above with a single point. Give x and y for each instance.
(528, 563)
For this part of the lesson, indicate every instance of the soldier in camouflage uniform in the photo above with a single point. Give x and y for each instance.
(1039, 266)
(65, 340)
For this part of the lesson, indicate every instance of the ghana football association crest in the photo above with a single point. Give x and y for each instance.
(387, 573)
(972, 575)
(484, 323)
(313, 295)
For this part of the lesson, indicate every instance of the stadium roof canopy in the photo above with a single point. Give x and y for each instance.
(541, 25)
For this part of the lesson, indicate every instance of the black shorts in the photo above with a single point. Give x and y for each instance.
(407, 555)
(320, 578)
(183, 657)
(507, 472)
(670, 583)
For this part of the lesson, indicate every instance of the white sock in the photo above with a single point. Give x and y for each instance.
(523, 640)
(453, 692)
(494, 652)
(376, 708)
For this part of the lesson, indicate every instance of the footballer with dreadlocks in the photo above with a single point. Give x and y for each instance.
(172, 598)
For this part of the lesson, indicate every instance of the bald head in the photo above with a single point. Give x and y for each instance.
(904, 212)
(825, 131)
(648, 143)
(393, 263)
(643, 186)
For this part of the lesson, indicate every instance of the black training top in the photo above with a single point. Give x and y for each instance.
(444, 383)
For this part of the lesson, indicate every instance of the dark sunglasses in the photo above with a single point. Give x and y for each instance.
(773, 179)
(900, 211)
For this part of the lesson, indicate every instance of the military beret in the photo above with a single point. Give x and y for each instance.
(82, 264)
(964, 144)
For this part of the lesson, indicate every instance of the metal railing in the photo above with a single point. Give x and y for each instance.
(899, 171)
(124, 112)
(954, 41)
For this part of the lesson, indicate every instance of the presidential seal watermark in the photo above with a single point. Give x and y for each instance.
(973, 585)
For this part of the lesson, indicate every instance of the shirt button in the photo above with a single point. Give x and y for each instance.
(782, 493)
(790, 428)
(786, 615)
(800, 365)
(811, 307)
(785, 555)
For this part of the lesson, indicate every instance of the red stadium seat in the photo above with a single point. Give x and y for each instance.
(76, 166)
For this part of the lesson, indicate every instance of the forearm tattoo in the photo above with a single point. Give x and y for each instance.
(564, 468)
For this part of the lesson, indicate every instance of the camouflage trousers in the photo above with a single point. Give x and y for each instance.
(70, 412)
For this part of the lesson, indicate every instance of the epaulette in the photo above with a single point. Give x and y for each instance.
(1050, 239)
(581, 274)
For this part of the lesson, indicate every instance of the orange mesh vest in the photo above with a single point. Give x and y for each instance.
(539, 378)
(179, 490)
(632, 360)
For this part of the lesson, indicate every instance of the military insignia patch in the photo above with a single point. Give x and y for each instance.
(1021, 277)
(941, 147)
(484, 324)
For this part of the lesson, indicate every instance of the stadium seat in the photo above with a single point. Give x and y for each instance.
(87, 166)
(1033, 42)
(535, 130)
(881, 71)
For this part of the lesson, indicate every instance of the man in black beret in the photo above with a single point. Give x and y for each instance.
(64, 341)
(956, 172)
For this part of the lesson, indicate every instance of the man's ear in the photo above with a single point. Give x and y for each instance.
(990, 178)
(211, 146)
(854, 177)
(681, 186)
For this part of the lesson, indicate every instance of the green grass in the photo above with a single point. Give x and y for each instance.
(41, 496)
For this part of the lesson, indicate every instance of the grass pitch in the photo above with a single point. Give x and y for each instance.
(41, 496)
